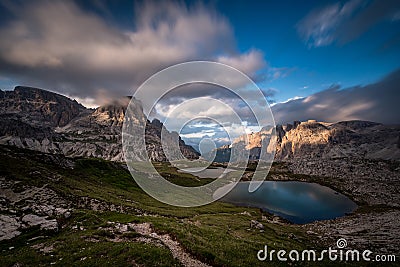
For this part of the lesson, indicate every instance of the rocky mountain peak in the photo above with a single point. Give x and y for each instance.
(111, 114)
(312, 139)
(40, 106)
(40, 120)
(157, 123)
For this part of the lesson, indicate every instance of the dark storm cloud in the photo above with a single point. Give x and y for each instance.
(59, 46)
(378, 102)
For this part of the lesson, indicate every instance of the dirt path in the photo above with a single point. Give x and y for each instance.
(176, 249)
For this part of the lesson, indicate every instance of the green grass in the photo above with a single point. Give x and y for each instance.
(216, 233)
(70, 248)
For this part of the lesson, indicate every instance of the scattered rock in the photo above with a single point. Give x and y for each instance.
(43, 222)
(245, 213)
(256, 225)
(42, 247)
(376, 231)
(9, 226)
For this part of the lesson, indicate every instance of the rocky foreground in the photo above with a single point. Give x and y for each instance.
(369, 182)
(62, 211)
(42, 197)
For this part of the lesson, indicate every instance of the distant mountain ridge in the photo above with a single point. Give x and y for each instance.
(313, 140)
(40, 120)
(37, 105)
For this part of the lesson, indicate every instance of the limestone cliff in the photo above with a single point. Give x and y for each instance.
(40, 120)
(313, 140)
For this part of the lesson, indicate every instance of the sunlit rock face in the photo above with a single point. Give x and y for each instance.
(355, 139)
(40, 120)
(313, 140)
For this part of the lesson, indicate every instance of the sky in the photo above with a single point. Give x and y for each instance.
(324, 60)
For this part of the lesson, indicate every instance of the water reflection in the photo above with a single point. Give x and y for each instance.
(298, 202)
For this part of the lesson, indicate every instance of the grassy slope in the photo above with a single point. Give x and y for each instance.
(216, 233)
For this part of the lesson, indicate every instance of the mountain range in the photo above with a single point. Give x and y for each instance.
(44, 121)
(322, 140)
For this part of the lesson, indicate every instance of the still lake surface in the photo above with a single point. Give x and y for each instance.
(298, 202)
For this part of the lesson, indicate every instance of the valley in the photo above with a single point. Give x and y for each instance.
(57, 210)
(67, 198)
(95, 206)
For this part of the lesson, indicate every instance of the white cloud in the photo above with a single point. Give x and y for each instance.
(288, 100)
(87, 101)
(319, 27)
(343, 22)
(249, 62)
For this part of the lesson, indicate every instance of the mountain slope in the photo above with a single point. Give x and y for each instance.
(48, 122)
(313, 140)
(36, 106)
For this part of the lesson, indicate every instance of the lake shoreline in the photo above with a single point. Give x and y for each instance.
(297, 201)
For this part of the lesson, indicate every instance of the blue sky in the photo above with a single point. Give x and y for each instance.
(97, 50)
(271, 26)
